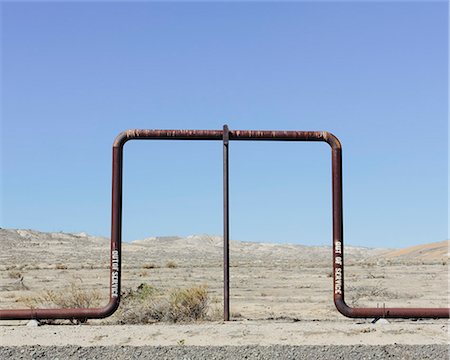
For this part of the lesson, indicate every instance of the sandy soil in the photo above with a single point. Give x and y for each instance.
(233, 333)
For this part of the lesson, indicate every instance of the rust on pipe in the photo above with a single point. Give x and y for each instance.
(226, 135)
(226, 228)
(144, 134)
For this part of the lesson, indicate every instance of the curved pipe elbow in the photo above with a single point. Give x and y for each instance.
(110, 308)
(121, 139)
(332, 140)
(343, 308)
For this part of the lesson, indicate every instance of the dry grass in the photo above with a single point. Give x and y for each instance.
(171, 264)
(148, 305)
(189, 304)
(15, 274)
(74, 297)
(366, 292)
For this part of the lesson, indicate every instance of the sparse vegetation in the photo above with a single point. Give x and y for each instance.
(143, 273)
(148, 305)
(373, 275)
(150, 266)
(18, 276)
(60, 266)
(189, 304)
(215, 313)
(143, 293)
(15, 274)
(74, 297)
(171, 264)
(236, 315)
(14, 267)
(377, 292)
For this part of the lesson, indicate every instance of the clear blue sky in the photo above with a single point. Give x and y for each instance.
(374, 74)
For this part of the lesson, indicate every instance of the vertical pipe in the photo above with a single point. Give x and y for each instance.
(116, 224)
(226, 228)
(338, 225)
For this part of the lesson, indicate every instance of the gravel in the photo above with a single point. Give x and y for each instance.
(279, 352)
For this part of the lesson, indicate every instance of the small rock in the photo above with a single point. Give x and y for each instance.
(381, 321)
(33, 323)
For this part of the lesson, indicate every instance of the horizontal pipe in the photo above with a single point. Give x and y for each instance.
(267, 135)
(145, 134)
(76, 313)
(390, 312)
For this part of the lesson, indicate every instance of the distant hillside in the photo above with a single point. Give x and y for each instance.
(46, 249)
(210, 247)
(432, 252)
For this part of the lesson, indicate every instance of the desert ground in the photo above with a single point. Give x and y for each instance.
(281, 294)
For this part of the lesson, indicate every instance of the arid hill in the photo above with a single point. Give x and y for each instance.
(46, 249)
(432, 252)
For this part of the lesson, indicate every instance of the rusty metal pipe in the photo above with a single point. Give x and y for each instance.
(226, 228)
(116, 224)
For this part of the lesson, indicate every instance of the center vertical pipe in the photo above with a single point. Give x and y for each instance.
(226, 229)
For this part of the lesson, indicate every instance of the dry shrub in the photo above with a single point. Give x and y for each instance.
(143, 293)
(215, 313)
(235, 315)
(74, 297)
(377, 292)
(148, 305)
(135, 305)
(60, 266)
(171, 265)
(15, 274)
(150, 266)
(189, 304)
(14, 267)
